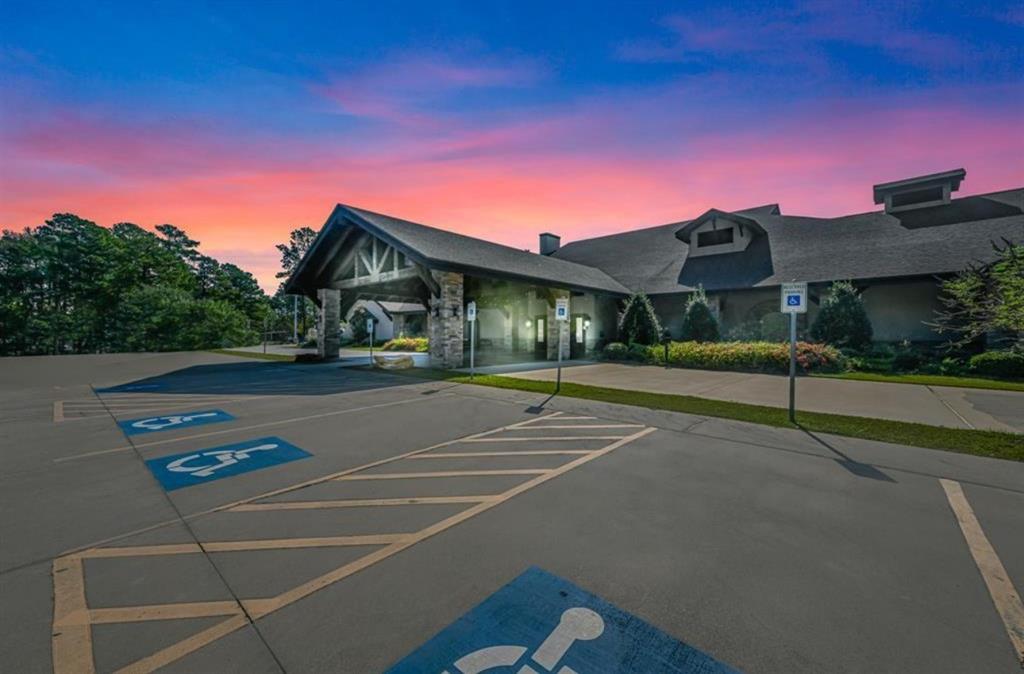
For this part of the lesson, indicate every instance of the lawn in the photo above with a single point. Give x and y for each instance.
(931, 380)
(965, 441)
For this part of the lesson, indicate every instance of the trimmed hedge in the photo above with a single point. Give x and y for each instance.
(1005, 364)
(418, 344)
(770, 357)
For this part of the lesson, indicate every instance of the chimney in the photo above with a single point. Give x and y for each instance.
(549, 243)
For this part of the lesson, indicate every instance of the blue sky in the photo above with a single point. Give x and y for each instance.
(240, 121)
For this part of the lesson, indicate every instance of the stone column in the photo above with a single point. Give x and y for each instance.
(444, 322)
(329, 337)
(553, 327)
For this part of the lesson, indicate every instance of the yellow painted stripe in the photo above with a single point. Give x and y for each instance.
(134, 614)
(72, 638)
(183, 648)
(443, 473)
(1004, 595)
(261, 607)
(358, 503)
(548, 439)
(525, 452)
(240, 546)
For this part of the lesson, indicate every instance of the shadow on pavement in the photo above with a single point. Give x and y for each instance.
(856, 467)
(260, 378)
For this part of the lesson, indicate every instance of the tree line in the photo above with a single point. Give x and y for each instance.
(72, 286)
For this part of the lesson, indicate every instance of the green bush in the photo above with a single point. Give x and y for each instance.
(1006, 364)
(842, 320)
(638, 323)
(749, 356)
(775, 327)
(418, 344)
(699, 324)
(357, 325)
(615, 351)
(906, 360)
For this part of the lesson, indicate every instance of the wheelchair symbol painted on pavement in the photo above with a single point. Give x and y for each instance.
(214, 463)
(172, 421)
(160, 423)
(224, 457)
(576, 624)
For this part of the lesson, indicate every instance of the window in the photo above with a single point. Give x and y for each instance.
(540, 330)
(714, 237)
(917, 197)
(579, 329)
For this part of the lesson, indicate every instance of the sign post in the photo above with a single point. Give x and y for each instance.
(793, 302)
(561, 317)
(369, 329)
(471, 317)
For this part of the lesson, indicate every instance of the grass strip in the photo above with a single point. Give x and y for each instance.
(930, 380)
(255, 354)
(993, 444)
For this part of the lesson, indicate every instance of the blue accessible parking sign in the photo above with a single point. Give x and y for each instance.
(206, 465)
(542, 624)
(171, 421)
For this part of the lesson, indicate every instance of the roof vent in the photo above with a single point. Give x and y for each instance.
(921, 192)
(549, 243)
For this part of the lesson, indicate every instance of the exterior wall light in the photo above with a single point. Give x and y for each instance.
(529, 323)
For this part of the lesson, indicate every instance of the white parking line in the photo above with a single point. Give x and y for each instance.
(1000, 587)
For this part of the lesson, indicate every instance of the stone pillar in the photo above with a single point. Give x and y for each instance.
(444, 322)
(553, 327)
(329, 337)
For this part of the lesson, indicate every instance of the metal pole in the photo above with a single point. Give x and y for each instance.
(792, 368)
(472, 353)
(264, 335)
(558, 380)
(373, 328)
(295, 319)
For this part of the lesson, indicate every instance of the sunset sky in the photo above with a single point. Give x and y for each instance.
(241, 121)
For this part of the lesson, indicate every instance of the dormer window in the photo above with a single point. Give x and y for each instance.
(716, 237)
(920, 192)
(717, 232)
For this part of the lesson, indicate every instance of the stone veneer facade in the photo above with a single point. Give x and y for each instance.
(329, 327)
(445, 321)
(554, 327)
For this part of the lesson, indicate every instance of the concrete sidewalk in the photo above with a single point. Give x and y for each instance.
(934, 405)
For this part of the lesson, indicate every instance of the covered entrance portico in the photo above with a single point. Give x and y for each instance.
(360, 255)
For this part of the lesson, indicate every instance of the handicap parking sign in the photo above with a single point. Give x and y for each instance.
(542, 624)
(172, 421)
(206, 465)
(793, 300)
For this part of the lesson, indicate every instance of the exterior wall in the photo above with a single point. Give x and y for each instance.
(898, 310)
(445, 322)
(329, 324)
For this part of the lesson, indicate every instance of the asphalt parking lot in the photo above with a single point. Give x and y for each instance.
(204, 513)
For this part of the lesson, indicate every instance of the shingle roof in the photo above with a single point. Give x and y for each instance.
(440, 249)
(922, 242)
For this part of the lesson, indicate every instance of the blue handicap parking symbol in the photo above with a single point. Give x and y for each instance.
(206, 465)
(792, 300)
(171, 421)
(542, 624)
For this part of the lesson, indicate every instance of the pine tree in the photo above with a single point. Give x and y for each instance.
(699, 324)
(638, 323)
(842, 320)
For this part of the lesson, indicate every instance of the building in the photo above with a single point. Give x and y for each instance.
(895, 256)
(390, 319)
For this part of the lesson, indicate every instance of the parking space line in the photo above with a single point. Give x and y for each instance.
(1004, 595)
(360, 503)
(548, 439)
(237, 429)
(58, 411)
(76, 651)
(243, 546)
(128, 614)
(525, 452)
(567, 426)
(443, 473)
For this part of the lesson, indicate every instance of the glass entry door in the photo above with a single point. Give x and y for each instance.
(540, 337)
(578, 327)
